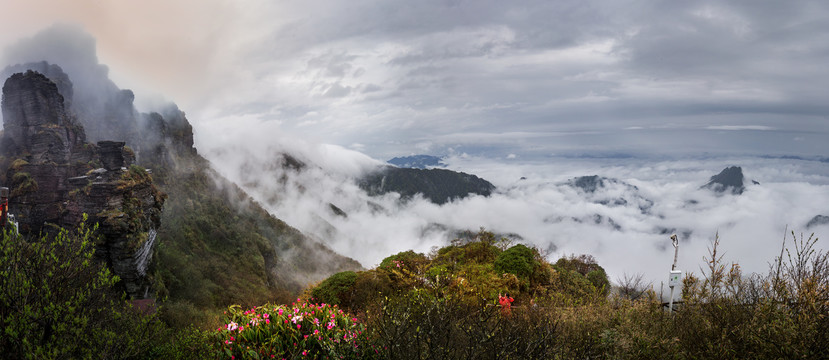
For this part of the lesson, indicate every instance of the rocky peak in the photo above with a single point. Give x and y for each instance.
(35, 120)
(108, 113)
(730, 180)
(55, 177)
(588, 184)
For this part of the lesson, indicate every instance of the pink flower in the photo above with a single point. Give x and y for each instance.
(304, 353)
(267, 321)
(267, 315)
(298, 326)
(280, 311)
(232, 326)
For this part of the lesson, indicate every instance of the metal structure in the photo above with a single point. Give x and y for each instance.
(675, 276)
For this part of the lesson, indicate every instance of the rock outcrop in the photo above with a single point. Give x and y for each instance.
(56, 177)
(730, 180)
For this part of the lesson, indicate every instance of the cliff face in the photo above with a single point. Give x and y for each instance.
(55, 177)
(217, 246)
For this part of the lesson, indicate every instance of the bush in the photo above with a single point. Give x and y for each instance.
(587, 266)
(518, 260)
(423, 325)
(301, 330)
(57, 301)
(336, 289)
(406, 259)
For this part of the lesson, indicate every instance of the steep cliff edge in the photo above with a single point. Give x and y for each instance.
(217, 246)
(55, 177)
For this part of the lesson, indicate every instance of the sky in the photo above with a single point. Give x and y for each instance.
(659, 95)
(501, 79)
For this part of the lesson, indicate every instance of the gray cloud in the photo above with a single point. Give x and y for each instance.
(436, 68)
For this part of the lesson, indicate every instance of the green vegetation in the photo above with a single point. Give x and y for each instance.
(23, 183)
(57, 302)
(336, 287)
(135, 175)
(218, 247)
(301, 330)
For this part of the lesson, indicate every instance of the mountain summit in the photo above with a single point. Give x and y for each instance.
(730, 180)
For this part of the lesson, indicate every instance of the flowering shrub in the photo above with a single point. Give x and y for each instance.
(301, 330)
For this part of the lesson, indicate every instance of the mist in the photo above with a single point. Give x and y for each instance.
(626, 224)
(565, 90)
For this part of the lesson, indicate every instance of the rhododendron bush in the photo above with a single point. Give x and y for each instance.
(301, 330)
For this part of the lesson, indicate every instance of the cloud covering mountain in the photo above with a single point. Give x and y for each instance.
(624, 216)
(486, 78)
(655, 97)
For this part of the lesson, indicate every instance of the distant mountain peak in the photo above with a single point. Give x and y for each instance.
(437, 185)
(731, 180)
(417, 161)
(588, 184)
(817, 220)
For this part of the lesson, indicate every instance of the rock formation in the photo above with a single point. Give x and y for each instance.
(730, 180)
(55, 177)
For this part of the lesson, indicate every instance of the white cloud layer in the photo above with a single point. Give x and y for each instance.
(625, 225)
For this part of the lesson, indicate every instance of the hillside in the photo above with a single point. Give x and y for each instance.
(215, 246)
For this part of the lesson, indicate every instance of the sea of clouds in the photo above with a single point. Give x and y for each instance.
(625, 225)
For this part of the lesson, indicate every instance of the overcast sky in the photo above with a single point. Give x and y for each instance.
(494, 78)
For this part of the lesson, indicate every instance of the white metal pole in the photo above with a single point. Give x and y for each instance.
(671, 281)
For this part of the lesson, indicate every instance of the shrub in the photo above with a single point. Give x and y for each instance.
(301, 330)
(57, 301)
(424, 325)
(518, 260)
(587, 266)
(406, 259)
(336, 289)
